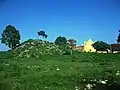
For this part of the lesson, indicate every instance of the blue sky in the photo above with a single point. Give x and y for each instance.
(77, 19)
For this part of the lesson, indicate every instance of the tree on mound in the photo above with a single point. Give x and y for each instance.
(63, 45)
(101, 46)
(72, 43)
(61, 41)
(10, 37)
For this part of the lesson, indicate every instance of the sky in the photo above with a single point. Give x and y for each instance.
(74, 19)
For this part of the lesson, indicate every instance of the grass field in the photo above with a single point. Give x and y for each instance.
(67, 72)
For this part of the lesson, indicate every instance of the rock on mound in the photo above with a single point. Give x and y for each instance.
(35, 48)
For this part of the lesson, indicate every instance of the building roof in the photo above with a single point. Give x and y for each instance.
(89, 40)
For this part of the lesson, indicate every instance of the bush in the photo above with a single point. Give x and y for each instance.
(67, 52)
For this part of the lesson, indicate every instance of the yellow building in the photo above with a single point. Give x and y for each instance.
(88, 46)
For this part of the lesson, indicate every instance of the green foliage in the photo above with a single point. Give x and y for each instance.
(36, 48)
(63, 45)
(10, 36)
(72, 42)
(67, 51)
(101, 46)
(61, 41)
(43, 34)
(6, 55)
(42, 73)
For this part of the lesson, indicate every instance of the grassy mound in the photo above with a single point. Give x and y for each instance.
(36, 48)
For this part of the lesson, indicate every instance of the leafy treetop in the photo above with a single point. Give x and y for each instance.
(101, 46)
(72, 42)
(10, 36)
(60, 40)
(42, 33)
(118, 40)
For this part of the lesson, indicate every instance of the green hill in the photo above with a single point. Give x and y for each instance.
(54, 71)
(36, 48)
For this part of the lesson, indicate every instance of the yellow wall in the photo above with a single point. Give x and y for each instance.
(88, 46)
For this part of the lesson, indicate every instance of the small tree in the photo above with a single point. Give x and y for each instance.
(10, 36)
(72, 43)
(118, 40)
(101, 46)
(62, 43)
(42, 33)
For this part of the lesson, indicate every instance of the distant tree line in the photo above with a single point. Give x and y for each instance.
(101, 46)
(11, 38)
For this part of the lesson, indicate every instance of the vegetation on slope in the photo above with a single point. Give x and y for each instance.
(36, 48)
(64, 72)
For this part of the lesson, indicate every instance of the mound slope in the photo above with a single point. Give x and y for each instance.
(35, 48)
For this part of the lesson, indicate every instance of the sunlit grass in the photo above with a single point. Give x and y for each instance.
(57, 72)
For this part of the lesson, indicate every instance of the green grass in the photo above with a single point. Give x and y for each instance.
(42, 74)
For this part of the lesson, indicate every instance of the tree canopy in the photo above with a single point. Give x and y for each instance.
(42, 33)
(72, 42)
(63, 45)
(101, 46)
(60, 40)
(10, 36)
